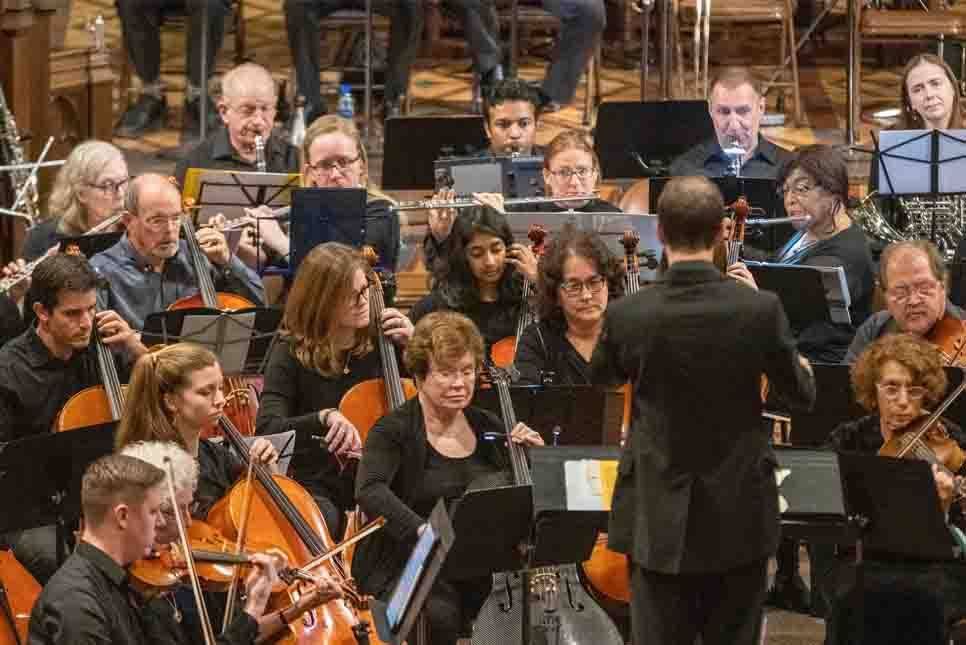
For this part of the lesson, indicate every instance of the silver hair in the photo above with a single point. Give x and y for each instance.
(240, 80)
(83, 166)
(185, 466)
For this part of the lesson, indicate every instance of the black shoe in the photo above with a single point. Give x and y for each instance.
(791, 594)
(191, 123)
(489, 79)
(147, 115)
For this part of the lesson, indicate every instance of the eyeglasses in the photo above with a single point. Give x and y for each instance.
(336, 163)
(565, 173)
(574, 288)
(799, 190)
(892, 391)
(449, 377)
(161, 223)
(112, 186)
(901, 294)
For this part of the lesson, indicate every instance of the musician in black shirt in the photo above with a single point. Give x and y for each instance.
(11, 322)
(431, 447)
(577, 277)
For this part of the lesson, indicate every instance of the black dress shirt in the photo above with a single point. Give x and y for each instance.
(163, 627)
(695, 490)
(217, 153)
(291, 399)
(11, 322)
(35, 384)
(709, 160)
(391, 482)
(87, 602)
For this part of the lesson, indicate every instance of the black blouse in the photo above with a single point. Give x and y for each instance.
(218, 470)
(545, 352)
(392, 482)
(495, 320)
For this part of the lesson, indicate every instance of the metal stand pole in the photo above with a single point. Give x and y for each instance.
(646, 7)
(665, 37)
(850, 87)
(367, 97)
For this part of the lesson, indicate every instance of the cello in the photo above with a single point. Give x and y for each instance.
(555, 606)
(284, 514)
(18, 594)
(367, 402)
(241, 395)
(504, 350)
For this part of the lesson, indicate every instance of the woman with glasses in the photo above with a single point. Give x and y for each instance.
(432, 447)
(482, 275)
(176, 391)
(578, 275)
(897, 379)
(327, 345)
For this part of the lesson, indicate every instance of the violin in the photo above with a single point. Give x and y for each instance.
(504, 350)
(283, 513)
(18, 594)
(241, 394)
(367, 402)
(927, 439)
(561, 610)
(949, 335)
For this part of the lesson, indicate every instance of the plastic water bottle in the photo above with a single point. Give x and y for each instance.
(347, 104)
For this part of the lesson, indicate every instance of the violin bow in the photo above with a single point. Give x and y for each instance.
(239, 545)
(206, 628)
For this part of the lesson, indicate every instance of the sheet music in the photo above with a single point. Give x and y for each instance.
(228, 338)
(590, 484)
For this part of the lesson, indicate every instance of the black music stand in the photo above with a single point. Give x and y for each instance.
(414, 143)
(567, 518)
(325, 215)
(230, 192)
(40, 478)
(241, 339)
(641, 139)
(395, 618)
(807, 294)
(562, 414)
(485, 544)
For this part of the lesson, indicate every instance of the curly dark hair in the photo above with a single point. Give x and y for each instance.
(923, 360)
(511, 89)
(573, 243)
(455, 281)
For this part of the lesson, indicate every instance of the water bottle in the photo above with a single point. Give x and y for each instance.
(347, 104)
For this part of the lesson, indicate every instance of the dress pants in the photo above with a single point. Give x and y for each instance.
(303, 20)
(482, 28)
(582, 24)
(141, 29)
(724, 608)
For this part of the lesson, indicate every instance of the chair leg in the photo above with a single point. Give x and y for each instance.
(796, 82)
(240, 52)
(677, 36)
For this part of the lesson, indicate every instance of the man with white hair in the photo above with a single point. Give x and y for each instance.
(247, 108)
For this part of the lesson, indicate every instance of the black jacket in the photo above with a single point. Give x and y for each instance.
(392, 466)
(695, 491)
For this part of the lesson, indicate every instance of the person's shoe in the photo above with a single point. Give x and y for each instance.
(147, 115)
(489, 79)
(191, 123)
(791, 594)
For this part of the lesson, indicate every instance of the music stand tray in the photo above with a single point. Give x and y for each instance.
(413, 144)
(811, 497)
(656, 131)
(562, 414)
(802, 291)
(394, 619)
(230, 192)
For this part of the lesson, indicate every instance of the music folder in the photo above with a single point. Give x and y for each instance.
(810, 294)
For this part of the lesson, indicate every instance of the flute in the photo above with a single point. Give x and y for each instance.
(778, 220)
(426, 204)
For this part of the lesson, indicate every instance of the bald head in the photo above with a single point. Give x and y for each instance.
(245, 80)
(153, 205)
(149, 183)
(689, 212)
(247, 107)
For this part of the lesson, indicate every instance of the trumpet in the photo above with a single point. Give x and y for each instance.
(10, 282)
(426, 204)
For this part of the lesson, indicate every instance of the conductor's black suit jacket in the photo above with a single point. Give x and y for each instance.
(696, 490)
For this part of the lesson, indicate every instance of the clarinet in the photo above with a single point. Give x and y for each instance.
(260, 162)
(12, 153)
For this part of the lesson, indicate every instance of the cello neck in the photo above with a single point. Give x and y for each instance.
(109, 377)
(518, 455)
(395, 396)
(199, 262)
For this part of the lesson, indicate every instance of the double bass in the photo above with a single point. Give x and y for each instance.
(550, 601)
(18, 594)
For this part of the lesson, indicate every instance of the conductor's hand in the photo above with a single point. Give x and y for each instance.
(524, 435)
(342, 438)
(739, 271)
(441, 219)
(214, 246)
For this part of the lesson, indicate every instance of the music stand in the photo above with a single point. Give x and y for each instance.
(562, 414)
(394, 619)
(40, 478)
(321, 215)
(610, 227)
(230, 192)
(241, 339)
(89, 245)
(414, 143)
(833, 388)
(484, 546)
(514, 176)
(568, 506)
(641, 139)
(810, 294)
